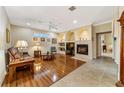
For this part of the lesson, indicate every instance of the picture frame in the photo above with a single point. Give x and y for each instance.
(42, 39)
(35, 39)
(7, 36)
(54, 40)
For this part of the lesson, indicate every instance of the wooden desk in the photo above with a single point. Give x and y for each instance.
(18, 63)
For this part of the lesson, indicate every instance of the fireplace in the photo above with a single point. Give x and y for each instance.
(82, 49)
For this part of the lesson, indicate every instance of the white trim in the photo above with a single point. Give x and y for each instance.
(101, 23)
(73, 29)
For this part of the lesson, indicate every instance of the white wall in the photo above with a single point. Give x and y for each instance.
(3, 46)
(22, 33)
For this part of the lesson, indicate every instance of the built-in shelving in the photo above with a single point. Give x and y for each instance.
(83, 34)
(61, 47)
(61, 37)
(79, 35)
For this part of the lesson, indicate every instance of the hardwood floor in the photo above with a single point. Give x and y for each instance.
(46, 72)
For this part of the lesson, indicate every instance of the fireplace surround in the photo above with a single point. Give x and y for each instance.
(82, 49)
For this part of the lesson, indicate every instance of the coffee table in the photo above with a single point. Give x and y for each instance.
(48, 57)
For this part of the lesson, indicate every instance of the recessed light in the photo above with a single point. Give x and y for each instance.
(28, 24)
(74, 21)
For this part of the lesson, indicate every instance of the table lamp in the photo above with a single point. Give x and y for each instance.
(21, 45)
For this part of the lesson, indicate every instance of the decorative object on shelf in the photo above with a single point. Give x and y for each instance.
(62, 44)
(54, 40)
(7, 36)
(80, 38)
(62, 49)
(21, 45)
(84, 35)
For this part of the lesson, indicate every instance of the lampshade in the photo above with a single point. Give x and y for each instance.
(21, 44)
(37, 43)
(37, 46)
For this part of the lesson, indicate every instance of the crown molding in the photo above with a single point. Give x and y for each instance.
(101, 23)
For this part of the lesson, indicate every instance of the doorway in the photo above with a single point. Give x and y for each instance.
(104, 44)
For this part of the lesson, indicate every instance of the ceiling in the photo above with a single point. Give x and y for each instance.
(59, 17)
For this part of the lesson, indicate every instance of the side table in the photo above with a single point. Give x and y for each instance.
(37, 53)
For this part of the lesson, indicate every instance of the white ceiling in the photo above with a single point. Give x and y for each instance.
(59, 16)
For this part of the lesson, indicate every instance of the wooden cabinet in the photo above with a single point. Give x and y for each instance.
(120, 83)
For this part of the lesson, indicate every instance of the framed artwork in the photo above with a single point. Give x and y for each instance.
(35, 39)
(42, 39)
(54, 40)
(7, 36)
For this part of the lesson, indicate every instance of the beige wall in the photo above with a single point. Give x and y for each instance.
(22, 33)
(99, 29)
(4, 23)
(61, 37)
(108, 38)
(70, 36)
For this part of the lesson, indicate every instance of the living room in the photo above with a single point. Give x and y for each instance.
(58, 45)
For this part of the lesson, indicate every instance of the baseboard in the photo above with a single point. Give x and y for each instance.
(2, 78)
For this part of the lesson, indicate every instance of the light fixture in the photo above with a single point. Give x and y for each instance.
(74, 21)
(52, 28)
(28, 24)
(21, 45)
(72, 8)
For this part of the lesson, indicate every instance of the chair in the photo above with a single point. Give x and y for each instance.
(14, 54)
(53, 50)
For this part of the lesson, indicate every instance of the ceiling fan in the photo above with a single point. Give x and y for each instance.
(51, 26)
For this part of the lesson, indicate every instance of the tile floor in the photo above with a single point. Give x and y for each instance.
(101, 72)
